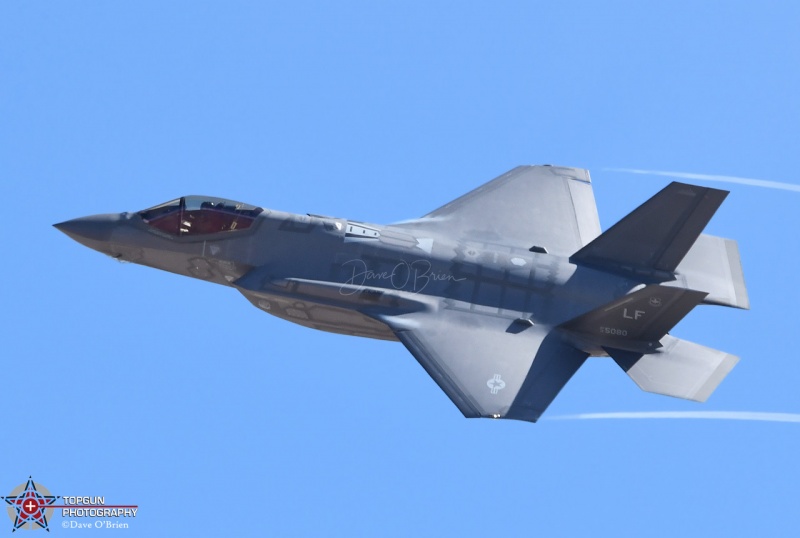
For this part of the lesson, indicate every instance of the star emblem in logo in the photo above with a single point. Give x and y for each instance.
(30, 505)
(496, 384)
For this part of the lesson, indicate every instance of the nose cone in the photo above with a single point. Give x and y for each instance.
(93, 232)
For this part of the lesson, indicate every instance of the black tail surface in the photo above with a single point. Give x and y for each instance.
(653, 239)
(634, 322)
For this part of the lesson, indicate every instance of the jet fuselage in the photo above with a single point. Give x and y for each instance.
(336, 268)
(500, 294)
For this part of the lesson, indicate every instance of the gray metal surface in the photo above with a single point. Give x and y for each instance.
(487, 365)
(713, 265)
(681, 369)
(547, 206)
(501, 294)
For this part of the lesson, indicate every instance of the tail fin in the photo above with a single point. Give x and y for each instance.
(713, 265)
(634, 322)
(633, 331)
(660, 241)
(653, 239)
(681, 369)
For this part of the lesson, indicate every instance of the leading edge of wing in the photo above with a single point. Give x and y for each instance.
(547, 206)
(487, 365)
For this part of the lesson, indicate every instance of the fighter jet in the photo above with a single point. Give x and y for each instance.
(501, 294)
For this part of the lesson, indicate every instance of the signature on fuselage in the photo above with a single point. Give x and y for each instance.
(410, 276)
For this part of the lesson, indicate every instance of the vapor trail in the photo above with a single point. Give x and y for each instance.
(707, 415)
(707, 177)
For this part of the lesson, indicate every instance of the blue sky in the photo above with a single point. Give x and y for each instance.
(215, 418)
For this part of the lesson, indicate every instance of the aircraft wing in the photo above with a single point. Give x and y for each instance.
(487, 365)
(551, 207)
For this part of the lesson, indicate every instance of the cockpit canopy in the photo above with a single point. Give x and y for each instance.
(200, 215)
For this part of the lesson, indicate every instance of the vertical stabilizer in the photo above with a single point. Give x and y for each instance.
(653, 239)
(634, 322)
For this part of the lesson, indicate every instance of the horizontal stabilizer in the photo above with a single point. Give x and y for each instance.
(713, 265)
(653, 239)
(681, 369)
(634, 322)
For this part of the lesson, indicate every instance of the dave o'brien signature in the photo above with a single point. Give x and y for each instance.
(416, 275)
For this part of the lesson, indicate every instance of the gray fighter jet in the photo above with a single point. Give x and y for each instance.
(501, 294)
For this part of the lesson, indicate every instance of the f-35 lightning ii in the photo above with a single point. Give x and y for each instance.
(501, 294)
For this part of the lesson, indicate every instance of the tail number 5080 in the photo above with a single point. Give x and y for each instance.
(613, 331)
